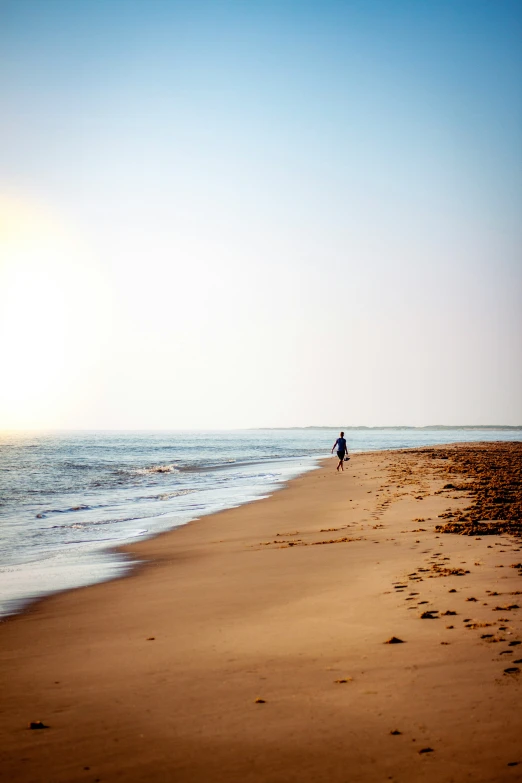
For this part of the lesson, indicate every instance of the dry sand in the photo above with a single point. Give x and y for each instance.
(251, 646)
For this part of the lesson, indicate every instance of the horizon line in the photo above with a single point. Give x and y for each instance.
(250, 429)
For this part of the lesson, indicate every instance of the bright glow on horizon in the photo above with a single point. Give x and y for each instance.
(232, 215)
(48, 329)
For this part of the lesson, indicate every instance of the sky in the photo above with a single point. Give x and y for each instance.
(225, 214)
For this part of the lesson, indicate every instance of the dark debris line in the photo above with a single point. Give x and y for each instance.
(492, 473)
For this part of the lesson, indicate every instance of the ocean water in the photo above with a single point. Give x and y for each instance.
(67, 499)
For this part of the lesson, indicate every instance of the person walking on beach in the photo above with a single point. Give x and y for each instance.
(342, 448)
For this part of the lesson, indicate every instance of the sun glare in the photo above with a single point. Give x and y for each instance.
(47, 333)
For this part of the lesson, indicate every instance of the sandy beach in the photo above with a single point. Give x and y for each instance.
(251, 645)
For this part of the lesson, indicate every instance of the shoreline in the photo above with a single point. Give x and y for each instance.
(124, 569)
(288, 600)
(73, 548)
(128, 567)
(111, 561)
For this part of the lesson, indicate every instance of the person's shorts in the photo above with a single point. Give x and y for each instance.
(341, 454)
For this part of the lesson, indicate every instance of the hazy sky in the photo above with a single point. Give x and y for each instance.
(230, 214)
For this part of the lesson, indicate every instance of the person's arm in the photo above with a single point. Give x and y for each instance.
(335, 444)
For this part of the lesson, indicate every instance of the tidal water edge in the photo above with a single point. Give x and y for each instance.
(68, 499)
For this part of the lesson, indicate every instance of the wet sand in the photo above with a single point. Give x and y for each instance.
(252, 645)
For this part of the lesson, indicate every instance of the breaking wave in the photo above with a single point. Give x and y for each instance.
(157, 469)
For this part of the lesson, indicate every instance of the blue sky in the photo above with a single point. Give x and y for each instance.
(266, 212)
